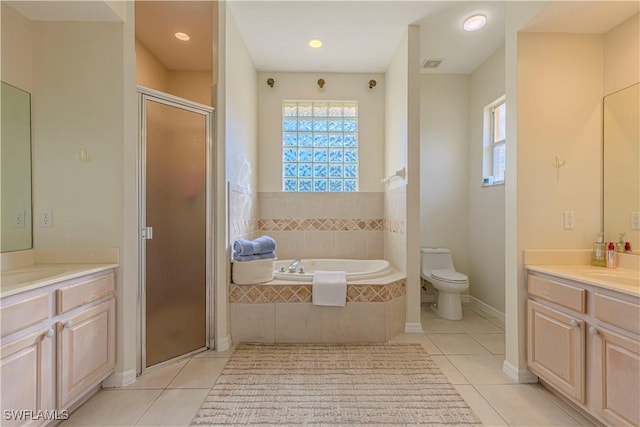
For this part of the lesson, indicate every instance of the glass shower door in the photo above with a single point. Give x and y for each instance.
(175, 230)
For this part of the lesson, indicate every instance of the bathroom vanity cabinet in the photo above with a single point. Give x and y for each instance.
(583, 340)
(58, 344)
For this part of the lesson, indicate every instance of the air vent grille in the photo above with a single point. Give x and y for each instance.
(432, 63)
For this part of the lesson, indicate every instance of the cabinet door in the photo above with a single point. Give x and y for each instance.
(556, 349)
(618, 377)
(27, 379)
(86, 350)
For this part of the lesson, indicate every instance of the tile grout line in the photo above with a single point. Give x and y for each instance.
(490, 405)
(161, 392)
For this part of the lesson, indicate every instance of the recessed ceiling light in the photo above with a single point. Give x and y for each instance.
(474, 22)
(315, 43)
(182, 36)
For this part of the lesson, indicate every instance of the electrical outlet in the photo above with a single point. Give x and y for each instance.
(46, 218)
(635, 220)
(19, 218)
(569, 220)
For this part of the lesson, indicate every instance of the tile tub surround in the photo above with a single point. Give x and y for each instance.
(282, 312)
(324, 225)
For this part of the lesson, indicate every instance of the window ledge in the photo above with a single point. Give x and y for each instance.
(493, 185)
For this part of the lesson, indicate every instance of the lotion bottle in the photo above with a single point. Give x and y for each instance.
(599, 250)
(611, 255)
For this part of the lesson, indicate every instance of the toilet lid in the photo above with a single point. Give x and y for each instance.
(449, 276)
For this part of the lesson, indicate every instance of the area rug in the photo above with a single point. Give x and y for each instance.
(380, 384)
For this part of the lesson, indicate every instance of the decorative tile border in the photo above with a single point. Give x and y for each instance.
(296, 293)
(320, 224)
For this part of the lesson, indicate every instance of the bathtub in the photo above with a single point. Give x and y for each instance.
(356, 269)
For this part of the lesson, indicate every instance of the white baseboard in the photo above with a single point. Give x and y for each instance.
(520, 375)
(223, 343)
(413, 328)
(120, 379)
(486, 308)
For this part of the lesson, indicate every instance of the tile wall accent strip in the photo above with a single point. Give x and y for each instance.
(320, 224)
(296, 293)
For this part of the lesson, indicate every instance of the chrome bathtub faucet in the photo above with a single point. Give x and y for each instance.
(293, 265)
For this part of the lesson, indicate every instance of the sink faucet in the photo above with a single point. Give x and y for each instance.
(293, 265)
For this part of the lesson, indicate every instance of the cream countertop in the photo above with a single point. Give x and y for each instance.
(19, 280)
(26, 270)
(622, 280)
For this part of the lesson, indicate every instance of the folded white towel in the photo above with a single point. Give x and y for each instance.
(329, 288)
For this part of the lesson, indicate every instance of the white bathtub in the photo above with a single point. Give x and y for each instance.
(357, 269)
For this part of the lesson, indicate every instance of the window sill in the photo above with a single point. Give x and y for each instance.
(493, 185)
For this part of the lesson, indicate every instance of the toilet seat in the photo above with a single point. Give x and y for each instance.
(449, 276)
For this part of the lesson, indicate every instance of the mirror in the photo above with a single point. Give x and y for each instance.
(15, 154)
(621, 198)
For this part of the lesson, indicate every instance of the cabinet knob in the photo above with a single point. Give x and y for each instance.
(593, 330)
(68, 324)
(574, 323)
(49, 333)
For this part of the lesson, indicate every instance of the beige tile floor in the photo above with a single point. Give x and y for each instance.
(469, 352)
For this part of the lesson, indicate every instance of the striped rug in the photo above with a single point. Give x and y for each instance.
(319, 384)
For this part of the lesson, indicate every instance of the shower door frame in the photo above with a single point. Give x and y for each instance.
(146, 94)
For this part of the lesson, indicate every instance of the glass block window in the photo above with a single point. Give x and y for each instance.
(320, 146)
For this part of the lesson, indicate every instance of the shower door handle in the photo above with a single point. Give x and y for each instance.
(147, 233)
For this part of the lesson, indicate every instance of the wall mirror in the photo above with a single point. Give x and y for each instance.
(621, 169)
(15, 154)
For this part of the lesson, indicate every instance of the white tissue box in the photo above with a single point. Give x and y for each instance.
(252, 272)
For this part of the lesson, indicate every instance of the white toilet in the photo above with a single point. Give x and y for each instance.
(436, 267)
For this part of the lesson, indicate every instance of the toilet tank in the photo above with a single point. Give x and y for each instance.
(435, 259)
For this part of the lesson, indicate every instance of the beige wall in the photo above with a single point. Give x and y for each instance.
(559, 113)
(149, 71)
(191, 85)
(17, 49)
(395, 152)
(444, 164)
(402, 150)
(622, 55)
(486, 231)
(78, 105)
(339, 87)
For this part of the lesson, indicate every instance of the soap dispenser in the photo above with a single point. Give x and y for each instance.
(621, 242)
(599, 249)
(612, 256)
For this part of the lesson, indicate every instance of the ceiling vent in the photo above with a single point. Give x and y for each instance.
(430, 64)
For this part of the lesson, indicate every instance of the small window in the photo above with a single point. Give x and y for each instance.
(494, 154)
(320, 146)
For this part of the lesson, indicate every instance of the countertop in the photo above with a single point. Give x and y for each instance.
(622, 280)
(14, 281)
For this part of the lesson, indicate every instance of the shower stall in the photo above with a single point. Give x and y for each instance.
(176, 193)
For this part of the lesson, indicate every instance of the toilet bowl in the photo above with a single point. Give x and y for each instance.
(436, 267)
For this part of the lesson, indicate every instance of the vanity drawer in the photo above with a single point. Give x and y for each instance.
(616, 312)
(25, 313)
(82, 293)
(567, 296)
